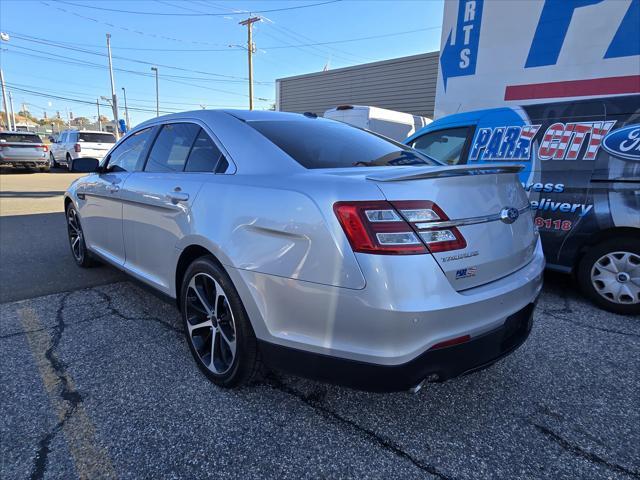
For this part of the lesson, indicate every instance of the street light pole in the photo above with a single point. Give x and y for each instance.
(155, 69)
(4, 100)
(126, 110)
(99, 121)
(13, 115)
(250, 49)
(114, 98)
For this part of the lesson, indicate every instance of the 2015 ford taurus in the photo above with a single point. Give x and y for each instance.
(314, 247)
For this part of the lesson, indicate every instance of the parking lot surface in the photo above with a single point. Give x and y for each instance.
(98, 382)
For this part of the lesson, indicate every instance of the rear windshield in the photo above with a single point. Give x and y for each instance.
(318, 143)
(19, 138)
(97, 137)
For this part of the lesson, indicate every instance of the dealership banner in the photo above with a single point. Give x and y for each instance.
(503, 53)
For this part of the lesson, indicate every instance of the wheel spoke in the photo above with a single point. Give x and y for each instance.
(196, 326)
(230, 341)
(201, 298)
(214, 340)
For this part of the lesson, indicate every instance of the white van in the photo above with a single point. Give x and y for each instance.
(392, 124)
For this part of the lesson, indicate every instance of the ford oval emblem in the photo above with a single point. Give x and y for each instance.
(624, 142)
(509, 214)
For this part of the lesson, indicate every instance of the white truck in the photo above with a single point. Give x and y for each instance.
(391, 124)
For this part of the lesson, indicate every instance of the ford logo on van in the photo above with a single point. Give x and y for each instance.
(624, 142)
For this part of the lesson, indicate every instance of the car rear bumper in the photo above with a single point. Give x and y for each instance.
(24, 162)
(406, 307)
(433, 365)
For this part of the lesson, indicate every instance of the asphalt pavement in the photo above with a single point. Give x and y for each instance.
(98, 382)
(34, 252)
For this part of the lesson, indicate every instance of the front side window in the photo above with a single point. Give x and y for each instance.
(171, 148)
(129, 155)
(318, 143)
(444, 145)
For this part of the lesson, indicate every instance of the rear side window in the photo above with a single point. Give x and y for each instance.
(444, 145)
(97, 137)
(318, 143)
(204, 155)
(129, 155)
(172, 147)
(19, 138)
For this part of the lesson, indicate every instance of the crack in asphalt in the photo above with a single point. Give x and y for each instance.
(314, 401)
(580, 452)
(71, 397)
(114, 311)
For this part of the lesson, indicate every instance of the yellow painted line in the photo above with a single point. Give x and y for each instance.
(90, 459)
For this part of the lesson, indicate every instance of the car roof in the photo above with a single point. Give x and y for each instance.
(13, 132)
(258, 115)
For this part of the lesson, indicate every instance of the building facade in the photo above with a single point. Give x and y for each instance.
(406, 84)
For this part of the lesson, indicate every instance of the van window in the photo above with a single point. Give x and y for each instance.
(93, 137)
(322, 143)
(445, 145)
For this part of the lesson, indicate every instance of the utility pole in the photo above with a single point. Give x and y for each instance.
(13, 115)
(126, 110)
(4, 100)
(155, 69)
(114, 98)
(250, 50)
(99, 121)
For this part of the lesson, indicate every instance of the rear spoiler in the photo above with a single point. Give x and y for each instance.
(417, 173)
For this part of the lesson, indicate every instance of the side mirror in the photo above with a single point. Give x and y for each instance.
(85, 165)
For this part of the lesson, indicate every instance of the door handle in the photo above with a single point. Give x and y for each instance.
(177, 197)
(113, 188)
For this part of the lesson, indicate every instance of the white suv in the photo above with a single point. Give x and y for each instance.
(74, 144)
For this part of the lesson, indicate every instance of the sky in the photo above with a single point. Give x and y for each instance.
(57, 48)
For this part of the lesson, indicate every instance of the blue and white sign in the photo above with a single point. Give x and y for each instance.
(460, 52)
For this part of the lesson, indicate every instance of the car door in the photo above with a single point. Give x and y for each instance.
(101, 197)
(158, 199)
(58, 147)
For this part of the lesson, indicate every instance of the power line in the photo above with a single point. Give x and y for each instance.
(135, 12)
(54, 44)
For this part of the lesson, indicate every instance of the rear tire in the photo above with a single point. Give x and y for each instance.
(609, 274)
(218, 330)
(52, 161)
(69, 161)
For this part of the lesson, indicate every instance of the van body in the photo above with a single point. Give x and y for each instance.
(389, 123)
(582, 175)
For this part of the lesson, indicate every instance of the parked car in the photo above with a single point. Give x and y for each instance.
(23, 149)
(319, 248)
(582, 174)
(72, 144)
(392, 124)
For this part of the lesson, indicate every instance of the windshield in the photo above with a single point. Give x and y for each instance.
(97, 137)
(19, 138)
(318, 143)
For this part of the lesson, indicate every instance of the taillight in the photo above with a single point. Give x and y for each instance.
(376, 227)
(400, 228)
(77, 147)
(429, 221)
(45, 148)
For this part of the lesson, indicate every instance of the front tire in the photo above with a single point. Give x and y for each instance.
(216, 325)
(609, 274)
(77, 244)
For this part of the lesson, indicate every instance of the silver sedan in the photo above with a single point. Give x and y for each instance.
(313, 246)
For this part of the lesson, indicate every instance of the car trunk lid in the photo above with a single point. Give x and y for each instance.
(486, 204)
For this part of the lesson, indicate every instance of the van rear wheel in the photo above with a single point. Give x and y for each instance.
(609, 274)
